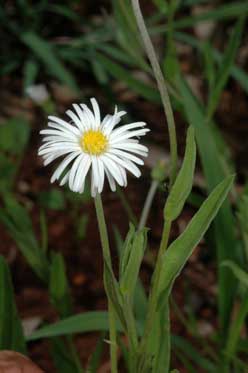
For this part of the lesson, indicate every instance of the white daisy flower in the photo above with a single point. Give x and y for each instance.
(91, 143)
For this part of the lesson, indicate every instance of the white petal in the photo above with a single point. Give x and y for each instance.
(82, 173)
(65, 124)
(58, 147)
(76, 120)
(95, 172)
(81, 190)
(88, 113)
(130, 166)
(83, 117)
(62, 129)
(122, 129)
(132, 147)
(126, 155)
(101, 174)
(106, 120)
(93, 187)
(65, 178)
(129, 134)
(96, 111)
(56, 175)
(124, 174)
(74, 171)
(58, 138)
(49, 131)
(110, 180)
(113, 169)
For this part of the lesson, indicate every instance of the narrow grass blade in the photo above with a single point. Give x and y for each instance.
(236, 329)
(236, 72)
(188, 350)
(222, 12)
(17, 221)
(95, 358)
(44, 51)
(81, 323)
(225, 67)
(147, 91)
(224, 223)
(58, 285)
(62, 357)
(241, 275)
(11, 334)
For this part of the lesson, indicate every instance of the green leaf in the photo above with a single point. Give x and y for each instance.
(11, 335)
(52, 199)
(225, 11)
(14, 135)
(236, 72)
(140, 299)
(124, 75)
(236, 327)
(183, 184)
(95, 358)
(214, 170)
(241, 275)
(126, 248)
(7, 172)
(58, 285)
(81, 323)
(44, 51)
(30, 73)
(81, 226)
(188, 350)
(130, 274)
(113, 291)
(209, 65)
(19, 225)
(62, 356)
(179, 251)
(225, 67)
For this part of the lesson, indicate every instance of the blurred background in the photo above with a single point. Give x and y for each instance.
(53, 54)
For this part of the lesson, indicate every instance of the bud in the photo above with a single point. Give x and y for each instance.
(159, 171)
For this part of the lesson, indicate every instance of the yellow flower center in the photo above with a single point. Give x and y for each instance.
(93, 142)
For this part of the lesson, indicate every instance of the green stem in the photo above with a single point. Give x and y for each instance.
(107, 258)
(161, 86)
(148, 203)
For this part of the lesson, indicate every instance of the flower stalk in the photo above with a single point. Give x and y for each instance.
(107, 258)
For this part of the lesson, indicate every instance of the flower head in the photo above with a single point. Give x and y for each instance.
(87, 142)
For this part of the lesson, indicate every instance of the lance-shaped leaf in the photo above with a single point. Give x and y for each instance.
(241, 275)
(58, 285)
(184, 180)
(11, 335)
(130, 274)
(225, 67)
(81, 323)
(19, 225)
(113, 291)
(126, 249)
(179, 251)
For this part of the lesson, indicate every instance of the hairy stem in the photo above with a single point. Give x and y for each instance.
(161, 86)
(148, 203)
